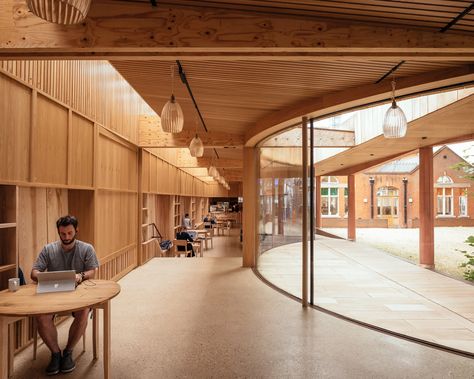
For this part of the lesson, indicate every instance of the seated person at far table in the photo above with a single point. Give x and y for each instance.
(65, 254)
(185, 236)
(209, 219)
(187, 222)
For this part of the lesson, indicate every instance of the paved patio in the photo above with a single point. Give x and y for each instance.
(363, 283)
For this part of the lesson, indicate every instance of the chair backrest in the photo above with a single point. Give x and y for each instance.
(181, 243)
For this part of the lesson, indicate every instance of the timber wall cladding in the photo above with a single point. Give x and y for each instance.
(92, 88)
(14, 129)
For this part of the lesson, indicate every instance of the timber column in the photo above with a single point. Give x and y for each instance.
(426, 208)
(351, 218)
(250, 206)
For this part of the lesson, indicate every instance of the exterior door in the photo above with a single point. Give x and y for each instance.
(388, 205)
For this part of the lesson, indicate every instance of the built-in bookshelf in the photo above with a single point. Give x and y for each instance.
(177, 212)
(193, 214)
(8, 234)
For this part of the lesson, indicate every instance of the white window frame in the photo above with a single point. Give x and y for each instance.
(444, 198)
(463, 197)
(331, 182)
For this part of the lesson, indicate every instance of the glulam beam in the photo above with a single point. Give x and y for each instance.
(118, 30)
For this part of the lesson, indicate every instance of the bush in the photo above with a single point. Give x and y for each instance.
(469, 265)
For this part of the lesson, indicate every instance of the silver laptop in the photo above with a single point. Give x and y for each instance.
(56, 281)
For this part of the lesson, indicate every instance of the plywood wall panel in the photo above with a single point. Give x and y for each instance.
(81, 205)
(81, 162)
(49, 143)
(117, 215)
(117, 164)
(15, 115)
(145, 171)
(56, 206)
(32, 226)
(153, 174)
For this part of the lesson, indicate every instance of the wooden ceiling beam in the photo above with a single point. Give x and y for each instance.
(151, 135)
(116, 30)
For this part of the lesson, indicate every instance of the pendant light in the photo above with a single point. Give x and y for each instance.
(196, 147)
(395, 122)
(172, 119)
(64, 12)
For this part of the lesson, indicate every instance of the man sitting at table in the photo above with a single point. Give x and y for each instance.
(65, 254)
(185, 236)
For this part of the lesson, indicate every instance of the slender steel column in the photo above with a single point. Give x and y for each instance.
(371, 181)
(304, 295)
(405, 201)
(311, 214)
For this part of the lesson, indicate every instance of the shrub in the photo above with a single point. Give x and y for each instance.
(469, 265)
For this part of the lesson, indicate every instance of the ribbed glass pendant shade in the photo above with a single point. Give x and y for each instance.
(172, 119)
(64, 12)
(395, 122)
(212, 171)
(196, 147)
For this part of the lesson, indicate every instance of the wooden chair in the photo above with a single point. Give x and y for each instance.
(95, 325)
(182, 243)
(95, 336)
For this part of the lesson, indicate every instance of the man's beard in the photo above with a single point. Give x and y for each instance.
(68, 242)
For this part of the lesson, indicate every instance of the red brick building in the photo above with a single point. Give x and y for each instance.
(387, 195)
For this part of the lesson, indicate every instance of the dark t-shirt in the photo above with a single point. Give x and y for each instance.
(53, 258)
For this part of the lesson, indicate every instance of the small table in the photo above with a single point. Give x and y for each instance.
(206, 233)
(93, 293)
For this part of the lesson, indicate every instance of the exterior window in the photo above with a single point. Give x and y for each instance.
(444, 201)
(329, 196)
(387, 201)
(346, 201)
(463, 203)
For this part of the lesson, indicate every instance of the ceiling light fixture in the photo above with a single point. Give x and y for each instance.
(64, 12)
(172, 119)
(395, 122)
(196, 147)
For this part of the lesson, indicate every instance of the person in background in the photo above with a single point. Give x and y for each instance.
(187, 222)
(67, 253)
(184, 235)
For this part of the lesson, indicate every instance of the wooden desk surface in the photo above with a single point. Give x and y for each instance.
(26, 302)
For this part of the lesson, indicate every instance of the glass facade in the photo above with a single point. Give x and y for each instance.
(280, 189)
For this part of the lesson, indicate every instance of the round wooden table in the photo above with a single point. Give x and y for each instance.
(93, 293)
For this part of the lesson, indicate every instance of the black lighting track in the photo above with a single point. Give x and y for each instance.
(392, 70)
(182, 75)
(184, 79)
(457, 18)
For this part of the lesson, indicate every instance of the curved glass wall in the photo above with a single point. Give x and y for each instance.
(355, 280)
(280, 189)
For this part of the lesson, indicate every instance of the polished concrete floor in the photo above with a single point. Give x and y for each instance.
(210, 318)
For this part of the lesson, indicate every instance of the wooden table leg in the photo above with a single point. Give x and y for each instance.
(107, 330)
(11, 348)
(95, 332)
(4, 347)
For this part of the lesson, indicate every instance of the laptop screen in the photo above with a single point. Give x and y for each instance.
(56, 281)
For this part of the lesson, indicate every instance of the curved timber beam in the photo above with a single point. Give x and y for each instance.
(353, 98)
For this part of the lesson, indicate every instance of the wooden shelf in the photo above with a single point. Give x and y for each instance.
(7, 267)
(8, 225)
